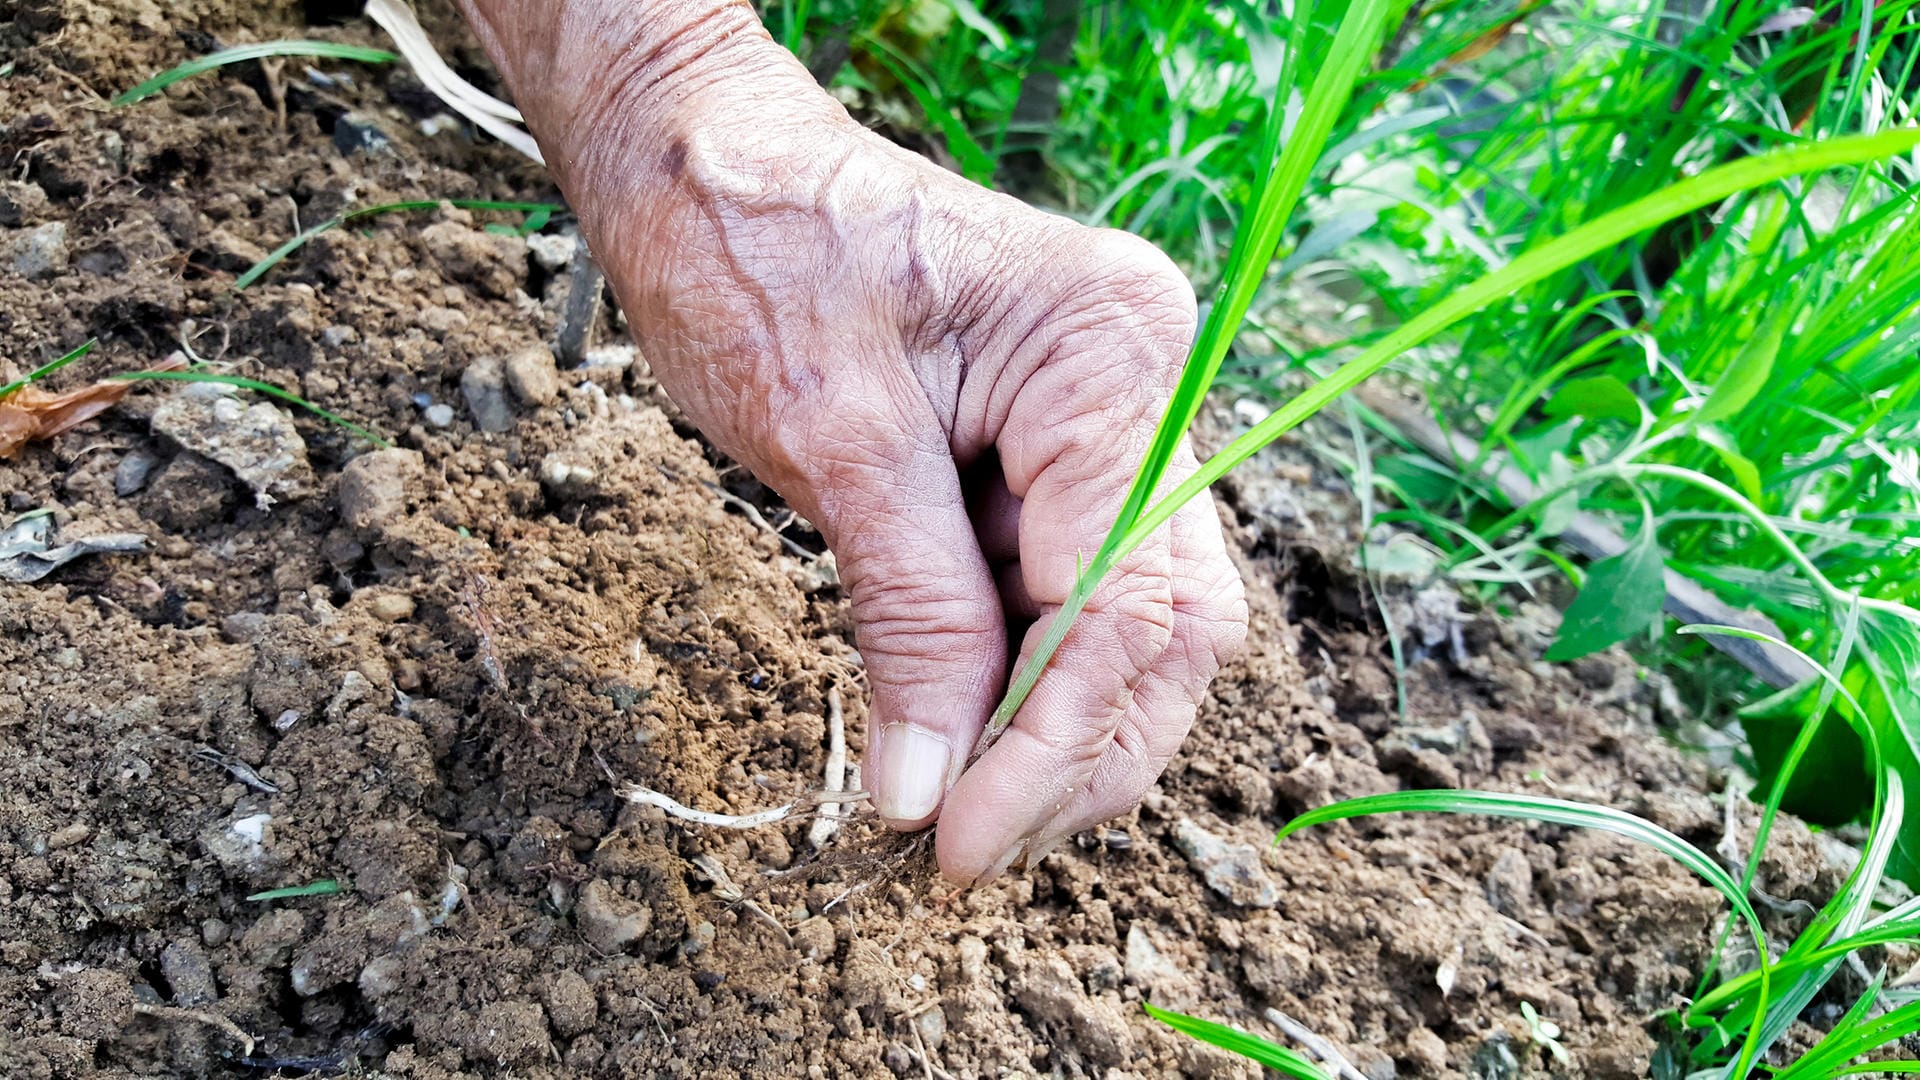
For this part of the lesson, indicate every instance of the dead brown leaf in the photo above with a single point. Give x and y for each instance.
(30, 414)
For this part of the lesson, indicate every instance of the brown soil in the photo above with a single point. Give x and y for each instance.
(414, 673)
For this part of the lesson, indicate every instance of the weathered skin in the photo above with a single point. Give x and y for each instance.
(954, 387)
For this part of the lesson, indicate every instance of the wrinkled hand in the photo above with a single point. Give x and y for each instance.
(955, 388)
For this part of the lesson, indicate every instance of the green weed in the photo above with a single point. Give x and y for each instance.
(326, 49)
(323, 887)
(45, 370)
(241, 383)
(537, 216)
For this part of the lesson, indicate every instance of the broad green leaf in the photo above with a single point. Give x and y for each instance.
(1601, 397)
(1535, 448)
(1886, 680)
(1557, 515)
(1278, 1058)
(1832, 785)
(1744, 378)
(1745, 473)
(1622, 597)
(1417, 478)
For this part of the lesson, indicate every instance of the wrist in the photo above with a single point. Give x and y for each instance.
(622, 94)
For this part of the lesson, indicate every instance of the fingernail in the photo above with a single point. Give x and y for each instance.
(912, 772)
(1001, 864)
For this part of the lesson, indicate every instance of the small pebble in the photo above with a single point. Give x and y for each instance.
(532, 376)
(698, 939)
(551, 252)
(439, 415)
(69, 836)
(391, 607)
(131, 474)
(41, 252)
(610, 358)
(484, 384)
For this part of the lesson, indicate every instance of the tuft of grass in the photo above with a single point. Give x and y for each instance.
(324, 49)
(537, 216)
(323, 887)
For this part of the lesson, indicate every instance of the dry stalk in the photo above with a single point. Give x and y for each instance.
(835, 779)
(1328, 1054)
(199, 1016)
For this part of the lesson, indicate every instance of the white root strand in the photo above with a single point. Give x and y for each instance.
(835, 779)
(646, 796)
(490, 114)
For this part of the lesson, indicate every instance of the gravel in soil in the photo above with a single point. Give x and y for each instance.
(418, 673)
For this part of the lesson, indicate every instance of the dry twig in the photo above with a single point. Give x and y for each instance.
(1328, 1054)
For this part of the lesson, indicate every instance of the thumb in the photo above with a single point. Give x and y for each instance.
(926, 613)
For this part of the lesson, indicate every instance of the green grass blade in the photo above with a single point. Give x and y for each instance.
(1278, 1058)
(323, 887)
(327, 49)
(1254, 247)
(1536, 264)
(1793, 968)
(279, 255)
(37, 374)
(1853, 1037)
(1577, 815)
(1256, 244)
(257, 387)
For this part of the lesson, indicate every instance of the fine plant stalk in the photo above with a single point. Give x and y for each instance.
(39, 373)
(537, 215)
(326, 49)
(258, 387)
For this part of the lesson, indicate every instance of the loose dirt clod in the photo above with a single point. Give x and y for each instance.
(256, 440)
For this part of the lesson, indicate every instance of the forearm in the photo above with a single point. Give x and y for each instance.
(597, 79)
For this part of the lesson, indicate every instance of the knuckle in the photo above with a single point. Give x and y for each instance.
(920, 622)
(1138, 610)
(1074, 749)
(1212, 611)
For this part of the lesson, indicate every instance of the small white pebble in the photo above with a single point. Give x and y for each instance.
(439, 415)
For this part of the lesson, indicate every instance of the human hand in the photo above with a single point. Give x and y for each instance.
(953, 387)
